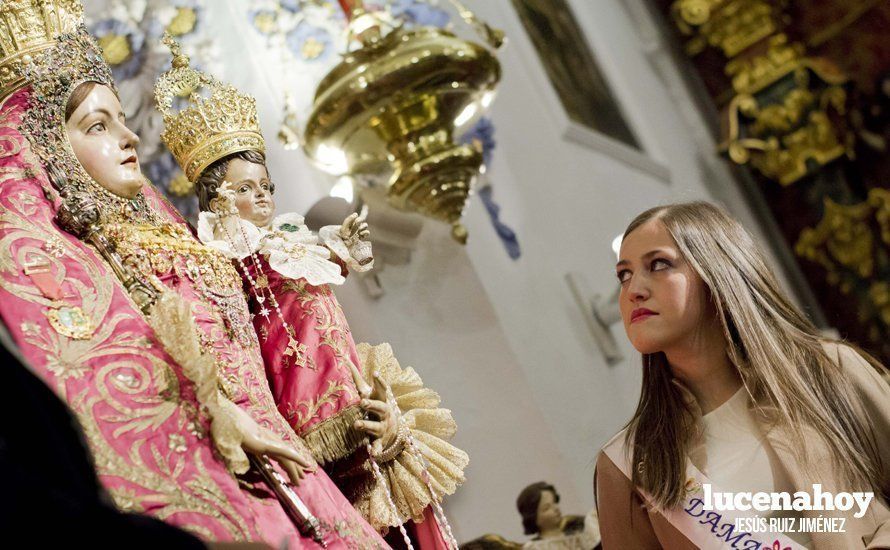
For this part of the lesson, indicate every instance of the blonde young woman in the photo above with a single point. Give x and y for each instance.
(739, 392)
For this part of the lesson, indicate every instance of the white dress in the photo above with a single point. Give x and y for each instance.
(737, 457)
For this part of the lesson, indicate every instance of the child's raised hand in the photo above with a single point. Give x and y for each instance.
(355, 228)
(224, 203)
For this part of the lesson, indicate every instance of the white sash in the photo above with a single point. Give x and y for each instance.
(709, 530)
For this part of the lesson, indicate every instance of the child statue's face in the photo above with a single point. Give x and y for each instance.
(103, 144)
(253, 191)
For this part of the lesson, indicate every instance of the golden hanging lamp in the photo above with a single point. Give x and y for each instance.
(396, 104)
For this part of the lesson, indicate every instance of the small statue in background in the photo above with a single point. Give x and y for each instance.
(539, 506)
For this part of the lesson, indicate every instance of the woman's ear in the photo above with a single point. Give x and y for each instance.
(214, 205)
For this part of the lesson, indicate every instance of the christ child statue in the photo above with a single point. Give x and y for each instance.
(288, 270)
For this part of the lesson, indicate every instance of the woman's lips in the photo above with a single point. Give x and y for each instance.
(641, 314)
(130, 160)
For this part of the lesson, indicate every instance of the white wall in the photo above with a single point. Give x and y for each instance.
(567, 202)
(503, 341)
(439, 320)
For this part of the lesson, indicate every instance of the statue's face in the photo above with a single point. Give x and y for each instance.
(549, 514)
(253, 191)
(103, 144)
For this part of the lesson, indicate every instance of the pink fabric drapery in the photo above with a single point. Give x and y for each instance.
(139, 412)
(313, 386)
(313, 383)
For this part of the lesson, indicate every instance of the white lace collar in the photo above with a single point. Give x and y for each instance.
(290, 247)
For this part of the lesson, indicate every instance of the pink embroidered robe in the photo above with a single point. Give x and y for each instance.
(313, 385)
(143, 422)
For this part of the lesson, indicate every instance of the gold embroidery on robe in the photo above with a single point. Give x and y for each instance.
(299, 418)
(331, 322)
(69, 360)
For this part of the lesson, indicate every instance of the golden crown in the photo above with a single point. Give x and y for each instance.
(28, 27)
(211, 127)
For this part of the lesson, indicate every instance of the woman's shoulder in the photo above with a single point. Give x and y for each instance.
(614, 458)
(619, 440)
(853, 363)
(868, 377)
(842, 351)
(834, 348)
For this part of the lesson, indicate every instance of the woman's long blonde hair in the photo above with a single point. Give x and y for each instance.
(776, 349)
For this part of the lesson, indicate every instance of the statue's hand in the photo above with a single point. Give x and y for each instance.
(355, 228)
(224, 203)
(384, 429)
(261, 441)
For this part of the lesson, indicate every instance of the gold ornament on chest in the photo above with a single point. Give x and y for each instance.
(160, 249)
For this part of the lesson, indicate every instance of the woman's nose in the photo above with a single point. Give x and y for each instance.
(637, 288)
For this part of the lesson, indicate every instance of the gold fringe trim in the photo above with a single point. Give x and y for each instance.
(430, 425)
(173, 322)
(335, 437)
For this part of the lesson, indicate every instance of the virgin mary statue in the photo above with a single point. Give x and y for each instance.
(141, 329)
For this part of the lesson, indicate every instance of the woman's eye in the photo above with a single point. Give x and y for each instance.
(265, 187)
(623, 276)
(659, 264)
(243, 189)
(97, 127)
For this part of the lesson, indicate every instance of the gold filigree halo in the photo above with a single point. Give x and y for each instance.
(29, 27)
(211, 127)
